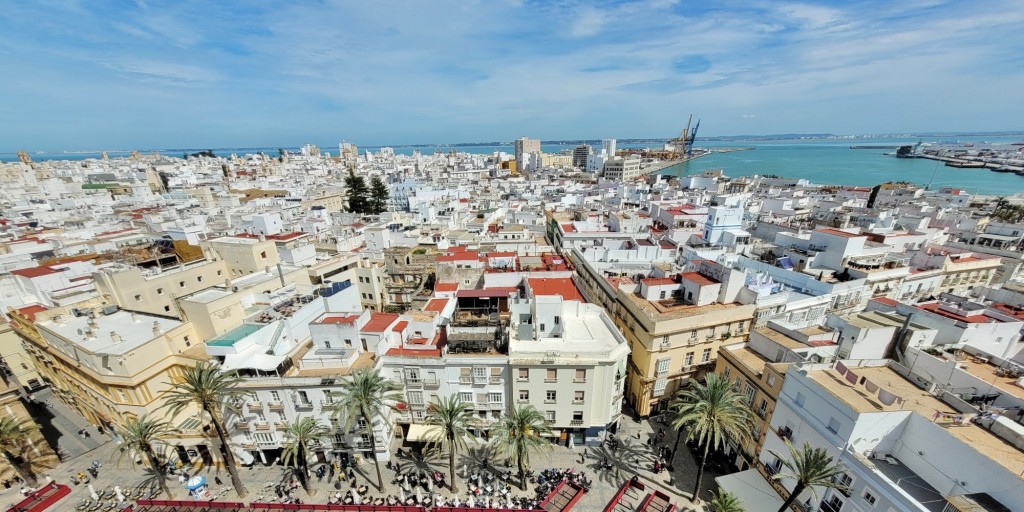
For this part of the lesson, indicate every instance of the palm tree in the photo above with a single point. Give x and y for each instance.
(14, 436)
(518, 432)
(726, 502)
(448, 425)
(711, 411)
(137, 438)
(366, 395)
(211, 390)
(299, 435)
(810, 467)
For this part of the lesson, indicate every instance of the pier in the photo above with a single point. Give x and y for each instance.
(994, 164)
(657, 167)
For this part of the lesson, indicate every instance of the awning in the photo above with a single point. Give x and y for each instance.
(417, 433)
(252, 361)
(754, 492)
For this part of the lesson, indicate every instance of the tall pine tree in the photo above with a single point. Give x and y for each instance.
(357, 193)
(378, 195)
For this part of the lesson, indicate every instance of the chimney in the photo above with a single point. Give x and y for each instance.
(115, 337)
(156, 328)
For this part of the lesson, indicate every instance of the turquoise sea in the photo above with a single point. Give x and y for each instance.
(817, 160)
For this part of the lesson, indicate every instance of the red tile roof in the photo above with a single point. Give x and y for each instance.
(446, 287)
(436, 305)
(933, 307)
(39, 271)
(30, 311)
(462, 256)
(568, 228)
(561, 286)
(379, 322)
(400, 326)
(837, 232)
(341, 319)
(486, 292)
(698, 278)
(657, 281)
(885, 300)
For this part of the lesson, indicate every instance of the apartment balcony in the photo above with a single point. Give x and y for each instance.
(577, 402)
(494, 380)
(496, 406)
(254, 406)
(828, 507)
(522, 401)
(784, 433)
(262, 425)
(280, 425)
(431, 383)
(576, 423)
(275, 406)
(465, 380)
(241, 425)
(579, 381)
(481, 406)
(413, 383)
(549, 422)
(303, 405)
(846, 491)
(250, 445)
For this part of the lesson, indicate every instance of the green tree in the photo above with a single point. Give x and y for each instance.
(366, 395)
(15, 436)
(356, 191)
(518, 433)
(378, 195)
(298, 437)
(448, 424)
(205, 386)
(726, 502)
(137, 438)
(710, 411)
(810, 467)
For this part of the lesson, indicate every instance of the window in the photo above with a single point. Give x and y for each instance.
(726, 372)
(763, 408)
(835, 503)
(524, 395)
(220, 272)
(263, 254)
(304, 397)
(659, 386)
(771, 380)
(327, 344)
(167, 309)
(199, 279)
(799, 399)
(541, 327)
(466, 397)
(275, 396)
(479, 372)
(418, 415)
(552, 375)
(138, 297)
(494, 398)
(577, 415)
(415, 397)
(845, 480)
(833, 425)
(557, 320)
(749, 390)
(706, 355)
(159, 291)
(662, 366)
(348, 343)
(868, 497)
(550, 396)
(549, 415)
(181, 284)
(689, 359)
(577, 397)
(581, 375)
(524, 374)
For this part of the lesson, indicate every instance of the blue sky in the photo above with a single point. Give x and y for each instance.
(95, 74)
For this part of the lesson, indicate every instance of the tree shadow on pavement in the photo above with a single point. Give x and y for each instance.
(626, 458)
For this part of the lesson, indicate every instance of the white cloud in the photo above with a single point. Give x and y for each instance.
(587, 22)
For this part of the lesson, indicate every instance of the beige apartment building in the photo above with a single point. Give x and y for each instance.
(111, 365)
(155, 291)
(675, 327)
(37, 452)
(22, 368)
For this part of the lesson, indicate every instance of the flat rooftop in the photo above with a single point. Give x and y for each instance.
(754, 360)
(918, 401)
(780, 338)
(135, 331)
(987, 373)
(670, 309)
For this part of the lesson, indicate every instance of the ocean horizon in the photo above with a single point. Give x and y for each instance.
(820, 161)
